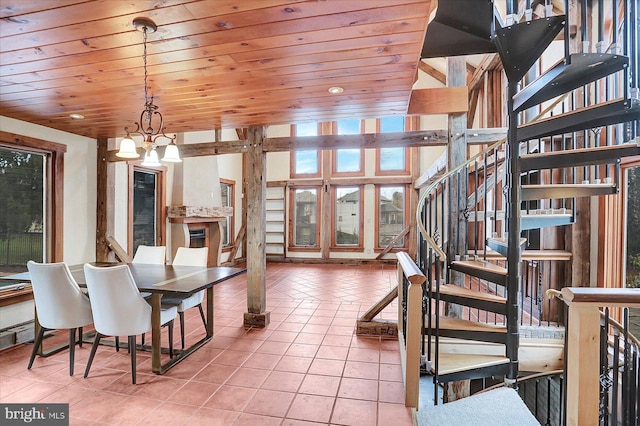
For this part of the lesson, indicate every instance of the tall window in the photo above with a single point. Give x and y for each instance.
(633, 224)
(391, 214)
(632, 261)
(146, 207)
(226, 191)
(347, 224)
(22, 214)
(392, 160)
(392, 124)
(305, 163)
(305, 232)
(348, 162)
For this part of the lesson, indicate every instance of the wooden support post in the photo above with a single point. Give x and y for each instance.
(105, 213)
(256, 314)
(456, 155)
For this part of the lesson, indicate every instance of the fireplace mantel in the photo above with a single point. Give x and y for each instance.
(195, 219)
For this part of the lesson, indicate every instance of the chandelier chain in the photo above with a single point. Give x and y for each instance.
(146, 74)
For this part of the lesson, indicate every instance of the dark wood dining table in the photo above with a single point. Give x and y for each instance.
(165, 280)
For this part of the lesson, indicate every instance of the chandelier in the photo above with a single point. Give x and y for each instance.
(148, 117)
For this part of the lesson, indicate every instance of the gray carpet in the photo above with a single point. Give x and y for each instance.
(498, 407)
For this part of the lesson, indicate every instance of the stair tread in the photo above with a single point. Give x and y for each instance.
(460, 324)
(453, 363)
(452, 33)
(523, 213)
(482, 265)
(578, 150)
(578, 157)
(566, 190)
(563, 77)
(520, 45)
(570, 185)
(505, 241)
(529, 255)
(456, 290)
(602, 114)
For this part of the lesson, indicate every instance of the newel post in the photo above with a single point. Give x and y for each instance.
(582, 351)
(583, 365)
(412, 328)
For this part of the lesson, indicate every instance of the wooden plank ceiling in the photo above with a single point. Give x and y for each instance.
(212, 64)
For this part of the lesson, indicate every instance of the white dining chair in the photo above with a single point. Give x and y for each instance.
(120, 310)
(154, 255)
(151, 255)
(186, 256)
(60, 304)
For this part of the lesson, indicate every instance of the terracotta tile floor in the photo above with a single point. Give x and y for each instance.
(306, 368)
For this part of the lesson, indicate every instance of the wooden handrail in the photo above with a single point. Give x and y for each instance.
(410, 269)
(623, 297)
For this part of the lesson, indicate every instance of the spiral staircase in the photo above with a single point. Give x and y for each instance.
(586, 110)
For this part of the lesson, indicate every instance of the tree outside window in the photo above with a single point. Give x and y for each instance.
(22, 192)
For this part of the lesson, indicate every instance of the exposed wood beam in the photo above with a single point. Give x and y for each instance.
(432, 71)
(489, 63)
(443, 100)
(330, 142)
(242, 134)
(473, 103)
(367, 140)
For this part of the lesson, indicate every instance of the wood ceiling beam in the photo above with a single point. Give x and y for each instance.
(331, 142)
(441, 100)
(489, 62)
(432, 71)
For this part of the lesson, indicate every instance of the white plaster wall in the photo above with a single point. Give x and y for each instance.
(79, 216)
(79, 243)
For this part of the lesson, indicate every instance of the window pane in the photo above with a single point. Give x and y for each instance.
(392, 159)
(307, 129)
(349, 127)
(348, 160)
(305, 217)
(225, 191)
(21, 210)
(633, 224)
(144, 209)
(633, 243)
(391, 211)
(392, 124)
(306, 162)
(347, 216)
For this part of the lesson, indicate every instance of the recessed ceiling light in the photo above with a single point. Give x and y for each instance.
(76, 116)
(336, 89)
